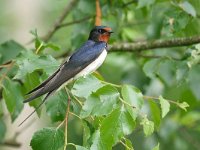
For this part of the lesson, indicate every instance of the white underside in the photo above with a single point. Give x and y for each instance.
(90, 68)
(93, 66)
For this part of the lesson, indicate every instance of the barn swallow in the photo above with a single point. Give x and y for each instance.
(84, 61)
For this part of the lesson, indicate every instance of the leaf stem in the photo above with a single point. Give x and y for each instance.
(66, 118)
(125, 145)
(38, 49)
(157, 98)
(112, 84)
(125, 102)
(74, 115)
(60, 124)
(71, 144)
(79, 102)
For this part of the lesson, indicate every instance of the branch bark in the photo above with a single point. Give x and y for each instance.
(147, 45)
(11, 144)
(59, 21)
(98, 14)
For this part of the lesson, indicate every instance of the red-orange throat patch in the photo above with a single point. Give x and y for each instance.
(104, 37)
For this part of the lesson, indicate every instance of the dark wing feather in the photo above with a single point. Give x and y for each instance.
(77, 62)
(43, 83)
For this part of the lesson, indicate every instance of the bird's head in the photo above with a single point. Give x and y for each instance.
(100, 33)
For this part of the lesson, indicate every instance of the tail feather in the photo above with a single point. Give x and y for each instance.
(39, 87)
(35, 95)
(36, 107)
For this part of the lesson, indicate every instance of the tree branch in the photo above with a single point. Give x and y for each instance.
(98, 14)
(58, 22)
(74, 22)
(10, 143)
(147, 45)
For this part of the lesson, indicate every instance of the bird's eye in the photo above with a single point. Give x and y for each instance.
(100, 31)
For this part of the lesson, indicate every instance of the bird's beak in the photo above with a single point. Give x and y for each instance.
(109, 30)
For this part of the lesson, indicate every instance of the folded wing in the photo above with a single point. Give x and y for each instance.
(77, 62)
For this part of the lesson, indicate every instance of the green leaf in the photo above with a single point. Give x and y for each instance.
(9, 50)
(116, 125)
(132, 96)
(194, 80)
(80, 147)
(133, 111)
(128, 144)
(97, 142)
(34, 33)
(190, 119)
(13, 98)
(29, 62)
(188, 8)
(194, 59)
(145, 3)
(41, 45)
(2, 130)
(47, 138)
(165, 106)
(183, 105)
(181, 71)
(167, 71)
(52, 46)
(151, 67)
(175, 21)
(31, 81)
(86, 132)
(155, 113)
(1, 110)
(156, 147)
(56, 106)
(148, 126)
(83, 87)
(101, 102)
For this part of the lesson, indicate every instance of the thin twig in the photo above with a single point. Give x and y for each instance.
(74, 22)
(148, 45)
(75, 115)
(66, 119)
(124, 102)
(60, 124)
(79, 102)
(5, 65)
(157, 98)
(112, 84)
(11, 144)
(59, 21)
(5, 74)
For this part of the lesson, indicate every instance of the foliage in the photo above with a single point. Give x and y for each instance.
(140, 100)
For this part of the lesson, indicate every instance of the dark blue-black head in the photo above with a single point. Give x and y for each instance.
(100, 33)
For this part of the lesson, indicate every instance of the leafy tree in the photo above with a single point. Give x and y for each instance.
(146, 94)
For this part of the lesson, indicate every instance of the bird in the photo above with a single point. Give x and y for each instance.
(83, 61)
